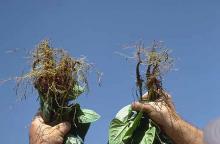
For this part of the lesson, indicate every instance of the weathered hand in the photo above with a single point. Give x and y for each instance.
(41, 133)
(161, 112)
(164, 114)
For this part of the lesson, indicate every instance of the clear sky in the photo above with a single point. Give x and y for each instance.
(98, 28)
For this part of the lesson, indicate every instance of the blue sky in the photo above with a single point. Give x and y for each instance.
(99, 28)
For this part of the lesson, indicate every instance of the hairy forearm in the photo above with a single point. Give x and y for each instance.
(182, 132)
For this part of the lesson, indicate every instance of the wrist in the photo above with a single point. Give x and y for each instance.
(181, 131)
(172, 124)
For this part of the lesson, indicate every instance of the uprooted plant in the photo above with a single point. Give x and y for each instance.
(131, 127)
(59, 79)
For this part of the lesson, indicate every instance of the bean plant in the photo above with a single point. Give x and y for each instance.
(59, 80)
(132, 127)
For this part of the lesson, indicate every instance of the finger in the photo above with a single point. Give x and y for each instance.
(63, 128)
(148, 108)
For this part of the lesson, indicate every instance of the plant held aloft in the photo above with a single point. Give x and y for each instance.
(59, 80)
(131, 127)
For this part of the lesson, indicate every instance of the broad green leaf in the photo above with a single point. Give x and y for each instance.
(117, 131)
(139, 132)
(71, 139)
(88, 116)
(124, 113)
(133, 125)
(149, 135)
(123, 126)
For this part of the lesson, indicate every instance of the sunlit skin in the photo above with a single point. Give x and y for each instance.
(164, 114)
(41, 133)
(57, 77)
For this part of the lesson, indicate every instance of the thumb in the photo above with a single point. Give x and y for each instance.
(147, 108)
(63, 128)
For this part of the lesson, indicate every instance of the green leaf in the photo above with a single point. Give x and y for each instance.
(117, 131)
(124, 113)
(82, 129)
(133, 125)
(71, 139)
(123, 126)
(88, 116)
(120, 125)
(149, 135)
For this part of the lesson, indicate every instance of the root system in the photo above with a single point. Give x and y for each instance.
(58, 78)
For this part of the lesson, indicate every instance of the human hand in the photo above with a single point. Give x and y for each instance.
(161, 112)
(164, 114)
(41, 133)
